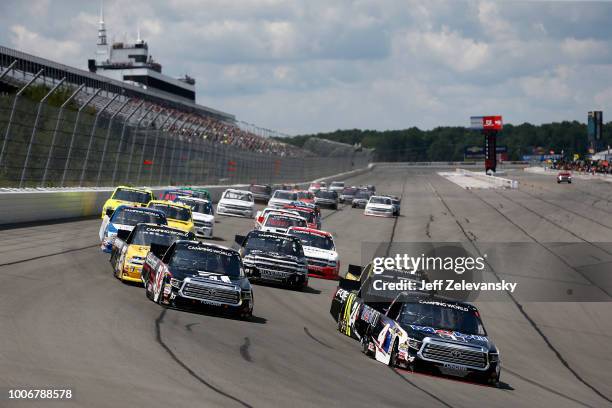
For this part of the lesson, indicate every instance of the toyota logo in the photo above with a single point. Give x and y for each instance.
(210, 292)
(456, 354)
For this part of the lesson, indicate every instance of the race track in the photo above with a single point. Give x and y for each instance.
(66, 322)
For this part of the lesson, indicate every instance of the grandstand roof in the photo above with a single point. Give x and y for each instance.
(30, 64)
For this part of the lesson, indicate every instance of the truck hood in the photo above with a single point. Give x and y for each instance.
(237, 203)
(113, 228)
(279, 201)
(273, 255)
(420, 332)
(379, 207)
(203, 217)
(314, 252)
(211, 277)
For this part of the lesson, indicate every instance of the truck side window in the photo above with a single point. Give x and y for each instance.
(394, 310)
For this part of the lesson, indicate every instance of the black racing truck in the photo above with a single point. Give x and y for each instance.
(274, 257)
(416, 330)
(191, 274)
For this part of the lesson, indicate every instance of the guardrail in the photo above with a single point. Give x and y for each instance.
(583, 175)
(448, 164)
(19, 206)
(498, 181)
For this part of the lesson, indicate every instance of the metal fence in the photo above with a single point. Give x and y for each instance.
(49, 146)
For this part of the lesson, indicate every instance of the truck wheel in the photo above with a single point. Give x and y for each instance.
(485, 379)
(393, 356)
(365, 345)
(148, 293)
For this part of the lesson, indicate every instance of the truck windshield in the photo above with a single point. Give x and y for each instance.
(307, 215)
(279, 245)
(281, 221)
(237, 195)
(314, 240)
(380, 200)
(260, 189)
(133, 216)
(332, 195)
(132, 196)
(203, 207)
(205, 259)
(164, 237)
(439, 315)
(285, 195)
(172, 212)
(305, 195)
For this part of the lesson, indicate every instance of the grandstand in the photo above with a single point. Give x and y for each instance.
(100, 131)
(158, 109)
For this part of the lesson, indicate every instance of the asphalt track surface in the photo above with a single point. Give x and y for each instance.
(67, 323)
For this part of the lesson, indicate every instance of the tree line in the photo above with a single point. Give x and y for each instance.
(449, 143)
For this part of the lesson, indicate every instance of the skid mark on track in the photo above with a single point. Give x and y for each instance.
(519, 306)
(244, 350)
(317, 340)
(578, 271)
(192, 373)
(432, 395)
(190, 325)
(428, 226)
(66, 251)
(537, 384)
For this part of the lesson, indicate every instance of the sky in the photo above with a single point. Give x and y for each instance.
(320, 65)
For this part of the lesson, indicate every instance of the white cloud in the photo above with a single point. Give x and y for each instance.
(585, 49)
(32, 42)
(450, 48)
(307, 66)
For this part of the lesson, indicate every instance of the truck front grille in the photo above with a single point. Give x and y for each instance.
(449, 353)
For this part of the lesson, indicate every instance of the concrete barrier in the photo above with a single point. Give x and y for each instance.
(19, 206)
(498, 181)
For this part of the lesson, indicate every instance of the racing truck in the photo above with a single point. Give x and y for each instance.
(305, 196)
(202, 214)
(238, 203)
(347, 194)
(280, 222)
(324, 198)
(178, 215)
(128, 196)
(361, 198)
(320, 252)
(130, 248)
(564, 177)
(192, 274)
(416, 330)
(309, 214)
(379, 206)
(276, 258)
(261, 215)
(125, 218)
(261, 192)
(280, 198)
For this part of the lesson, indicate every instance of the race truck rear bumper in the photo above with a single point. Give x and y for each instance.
(385, 214)
(323, 272)
(295, 279)
(235, 211)
(132, 273)
(203, 229)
